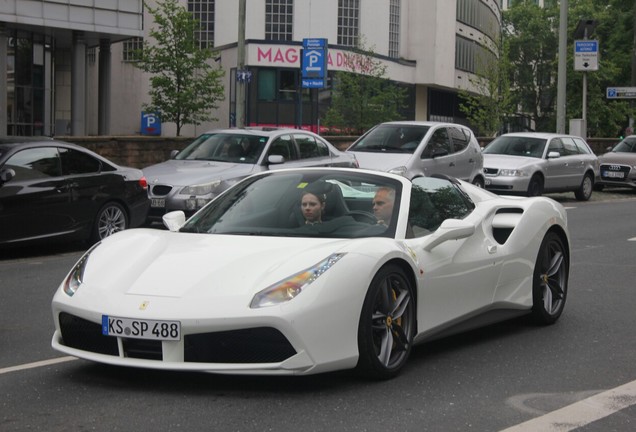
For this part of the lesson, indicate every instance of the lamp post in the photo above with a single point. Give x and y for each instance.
(240, 66)
(562, 67)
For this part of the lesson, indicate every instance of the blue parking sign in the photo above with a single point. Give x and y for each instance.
(150, 123)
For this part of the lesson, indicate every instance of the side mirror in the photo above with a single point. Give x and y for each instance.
(554, 155)
(275, 159)
(174, 220)
(450, 229)
(173, 153)
(6, 175)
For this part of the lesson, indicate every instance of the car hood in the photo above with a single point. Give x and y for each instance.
(509, 162)
(618, 158)
(187, 265)
(187, 172)
(381, 161)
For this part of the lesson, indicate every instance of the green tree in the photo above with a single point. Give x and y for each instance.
(362, 96)
(488, 103)
(185, 88)
(531, 37)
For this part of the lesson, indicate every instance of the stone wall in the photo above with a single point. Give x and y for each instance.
(142, 151)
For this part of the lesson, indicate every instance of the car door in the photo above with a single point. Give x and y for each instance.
(35, 202)
(460, 276)
(557, 172)
(465, 160)
(311, 152)
(437, 156)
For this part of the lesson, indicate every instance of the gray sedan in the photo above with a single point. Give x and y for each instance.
(218, 159)
(532, 163)
(618, 167)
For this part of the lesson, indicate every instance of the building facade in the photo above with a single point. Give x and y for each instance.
(432, 47)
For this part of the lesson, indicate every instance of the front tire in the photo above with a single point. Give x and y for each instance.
(550, 280)
(110, 219)
(479, 182)
(387, 324)
(535, 188)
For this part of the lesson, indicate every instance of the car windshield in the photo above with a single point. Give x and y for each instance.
(280, 204)
(517, 146)
(389, 138)
(225, 147)
(628, 145)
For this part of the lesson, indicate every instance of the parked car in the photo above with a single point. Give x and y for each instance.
(415, 149)
(531, 163)
(246, 286)
(56, 190)
(618, 166)
(218, 159)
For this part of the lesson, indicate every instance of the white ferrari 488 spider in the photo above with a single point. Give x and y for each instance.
(313, 270)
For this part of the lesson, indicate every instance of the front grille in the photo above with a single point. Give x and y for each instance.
(255, 345)
(608, 172)
(491, 171)
(142, 349)
(84, 335)
(161, 190)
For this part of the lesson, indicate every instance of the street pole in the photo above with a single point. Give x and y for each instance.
(562, 69)
(240, 66)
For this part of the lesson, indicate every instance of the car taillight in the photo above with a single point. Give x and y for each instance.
(143, 183)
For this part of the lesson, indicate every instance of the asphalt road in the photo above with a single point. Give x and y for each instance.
(486, 380)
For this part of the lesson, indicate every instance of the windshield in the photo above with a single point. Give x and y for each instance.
(389, 138)
(225, 147)
(628, 145)
(312, 203)
(517, 146)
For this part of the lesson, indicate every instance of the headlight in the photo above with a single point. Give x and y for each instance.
(401, 170)
(202, 189)
(75, 278)
(511, 173)
(289, 288)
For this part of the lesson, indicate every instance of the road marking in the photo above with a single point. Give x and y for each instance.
(632, 239)
(583, 412)
(36, 364)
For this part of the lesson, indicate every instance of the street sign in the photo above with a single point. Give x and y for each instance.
(150, 123)
(314, 63)
(621, 93)
(586, 55)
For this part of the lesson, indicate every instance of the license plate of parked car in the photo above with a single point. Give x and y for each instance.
(141, 329)
(158, 202)
(614, 174)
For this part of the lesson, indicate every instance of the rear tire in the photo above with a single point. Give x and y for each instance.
(550, 280)
(584, 192)
(110, 219)
(387, 324)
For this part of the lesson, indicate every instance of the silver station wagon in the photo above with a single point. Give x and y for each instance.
(217, 159)
(531, 163)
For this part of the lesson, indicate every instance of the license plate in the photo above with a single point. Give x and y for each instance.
(141, 329)
(158, 202)
(613, 174)
(487, 182)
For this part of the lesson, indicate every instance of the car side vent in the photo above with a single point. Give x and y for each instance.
(504, 222)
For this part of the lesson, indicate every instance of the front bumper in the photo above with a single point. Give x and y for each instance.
(507, 184)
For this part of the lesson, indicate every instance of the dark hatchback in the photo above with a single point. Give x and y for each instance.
(56, 190)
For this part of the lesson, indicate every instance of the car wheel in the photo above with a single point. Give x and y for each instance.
(479, 182)
(387, 324)
(550, 280)
(584, 192)
(535, 188)
(110, 219)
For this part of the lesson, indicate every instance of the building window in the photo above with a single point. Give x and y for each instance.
(130, 48)
(348, 22)
(472, 57)
(203, 11)
(394, 28)
(279, 16)
(480, 16)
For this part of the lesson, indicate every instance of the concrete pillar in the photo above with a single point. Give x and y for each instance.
(78, 85)
(104, 84)
(4, 88)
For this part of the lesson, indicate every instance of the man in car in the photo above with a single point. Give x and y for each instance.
(383, 204)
